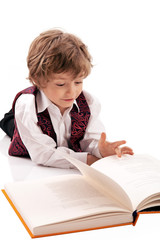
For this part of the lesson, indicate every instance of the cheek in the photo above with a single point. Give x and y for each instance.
(51, 93)
(55, 94)
(79, 90)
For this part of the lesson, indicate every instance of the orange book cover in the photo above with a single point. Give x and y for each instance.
(38, 236)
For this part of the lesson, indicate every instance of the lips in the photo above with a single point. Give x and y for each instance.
(68, 100)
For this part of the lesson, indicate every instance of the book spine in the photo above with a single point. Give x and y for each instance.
(135, 217)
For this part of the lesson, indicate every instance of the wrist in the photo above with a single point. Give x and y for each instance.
(91, 159)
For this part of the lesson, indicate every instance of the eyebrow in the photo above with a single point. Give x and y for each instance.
(60, 79)
(64, 79)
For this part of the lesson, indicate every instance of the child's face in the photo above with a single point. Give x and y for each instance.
(63, 89)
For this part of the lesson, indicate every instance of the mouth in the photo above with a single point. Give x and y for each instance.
(68, 100)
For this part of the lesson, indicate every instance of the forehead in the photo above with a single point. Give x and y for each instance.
(64, 76)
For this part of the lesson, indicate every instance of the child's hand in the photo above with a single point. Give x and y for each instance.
(111, 148)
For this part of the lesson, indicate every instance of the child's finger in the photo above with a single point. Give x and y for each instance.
(118, 143)
(128, 152)
(118, 152)
(103, 138)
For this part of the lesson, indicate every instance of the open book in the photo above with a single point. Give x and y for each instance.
(113, 191)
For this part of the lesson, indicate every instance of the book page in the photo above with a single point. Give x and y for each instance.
(104, 183)
(58, 199)
(138, 175)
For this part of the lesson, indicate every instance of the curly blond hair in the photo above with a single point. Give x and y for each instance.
(55, 51)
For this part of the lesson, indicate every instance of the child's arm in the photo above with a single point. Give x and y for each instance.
(95, 141)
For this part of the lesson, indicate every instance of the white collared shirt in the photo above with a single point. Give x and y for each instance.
(42, 148)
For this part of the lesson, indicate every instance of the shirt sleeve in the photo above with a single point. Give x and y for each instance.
(41, 147)
(94, 129)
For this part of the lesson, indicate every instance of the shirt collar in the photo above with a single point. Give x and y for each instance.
(43, 103)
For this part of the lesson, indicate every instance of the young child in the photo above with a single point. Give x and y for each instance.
(56, 113)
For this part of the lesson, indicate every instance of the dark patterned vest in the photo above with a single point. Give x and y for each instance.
(79, 122)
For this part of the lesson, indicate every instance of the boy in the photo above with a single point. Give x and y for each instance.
(55, 113)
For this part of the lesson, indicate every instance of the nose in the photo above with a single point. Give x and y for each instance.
(70, 90)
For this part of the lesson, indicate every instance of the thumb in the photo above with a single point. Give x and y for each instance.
(102, 138)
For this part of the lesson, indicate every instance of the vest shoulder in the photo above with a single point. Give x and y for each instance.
(30, 90)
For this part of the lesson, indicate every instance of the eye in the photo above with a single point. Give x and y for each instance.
(78, 82)
(60, 85)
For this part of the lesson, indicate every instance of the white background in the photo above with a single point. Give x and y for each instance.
(123, 37)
